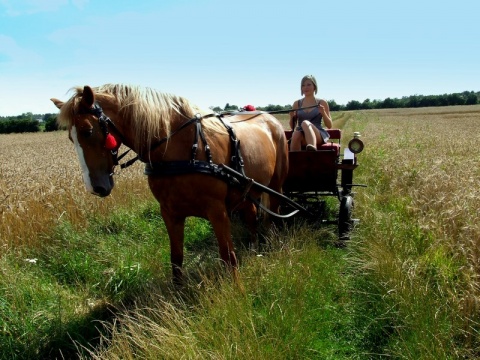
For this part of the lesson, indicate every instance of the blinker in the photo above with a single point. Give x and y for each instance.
(111, 142)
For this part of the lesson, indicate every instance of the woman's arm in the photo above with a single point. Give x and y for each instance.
(325, 111)
(293, 116)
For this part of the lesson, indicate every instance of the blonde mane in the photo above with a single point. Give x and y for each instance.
(149, 112)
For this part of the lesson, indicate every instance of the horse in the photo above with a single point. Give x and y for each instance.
(184, 150)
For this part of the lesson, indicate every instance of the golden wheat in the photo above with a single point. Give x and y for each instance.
(41, 183)
(432, 157)
(428, 156)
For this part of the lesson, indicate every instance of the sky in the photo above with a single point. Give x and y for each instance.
(215, 52)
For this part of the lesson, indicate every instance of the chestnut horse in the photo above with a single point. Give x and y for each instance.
(172, 137)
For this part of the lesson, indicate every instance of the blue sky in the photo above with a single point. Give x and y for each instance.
(215, 52)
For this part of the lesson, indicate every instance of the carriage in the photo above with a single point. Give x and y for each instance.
(195, 163)
(327, 172)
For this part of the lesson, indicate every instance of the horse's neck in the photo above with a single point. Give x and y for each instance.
(140, 145)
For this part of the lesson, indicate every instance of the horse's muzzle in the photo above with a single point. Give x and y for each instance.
(101, 191)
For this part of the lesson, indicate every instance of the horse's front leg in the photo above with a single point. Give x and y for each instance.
(176, 229)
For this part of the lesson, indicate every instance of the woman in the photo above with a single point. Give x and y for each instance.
(309, 113)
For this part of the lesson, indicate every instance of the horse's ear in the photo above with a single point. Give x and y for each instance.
(58, 103)
(87, 97)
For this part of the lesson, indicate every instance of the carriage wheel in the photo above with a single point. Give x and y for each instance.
(345, 222)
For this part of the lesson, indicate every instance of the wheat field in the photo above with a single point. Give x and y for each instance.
(422, 168)
(431, 156)
(416, 247)
(41, 184)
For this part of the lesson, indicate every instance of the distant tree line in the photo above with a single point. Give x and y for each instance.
(29, 122)
(464, 98)
(413, 101)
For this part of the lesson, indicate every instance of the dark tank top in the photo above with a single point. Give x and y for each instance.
(313, 116)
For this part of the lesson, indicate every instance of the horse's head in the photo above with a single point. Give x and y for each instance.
(96, 147)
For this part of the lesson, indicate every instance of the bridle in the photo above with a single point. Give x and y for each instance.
(234, 175)
(111, 143)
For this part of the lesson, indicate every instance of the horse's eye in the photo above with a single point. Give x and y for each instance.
(86, 133)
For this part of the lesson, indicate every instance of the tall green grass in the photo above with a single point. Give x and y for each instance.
(51, 297)
(413, 276)
(296, 306)
(404, 287)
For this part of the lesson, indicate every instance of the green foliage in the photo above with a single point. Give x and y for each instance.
(229, 107)
(272, 107)
(68, 283)
(334, 106)
(353, 105)
(19, 126)
(51, 123)
(216, 109)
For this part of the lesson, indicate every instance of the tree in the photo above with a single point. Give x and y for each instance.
(353, 105)
(216, 109)
(51, 123)
(455, 99)
(19, 126)
(412, 101)
(229, 107)
(333, 105)
(367, 104)
(388, 103)
(472, 99)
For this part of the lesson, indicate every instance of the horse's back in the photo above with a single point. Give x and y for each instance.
(263, 147)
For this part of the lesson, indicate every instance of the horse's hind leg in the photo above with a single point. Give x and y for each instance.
(248, 215)
(175, 228)
(221, 225)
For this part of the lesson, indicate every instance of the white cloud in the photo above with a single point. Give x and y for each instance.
(13, 53)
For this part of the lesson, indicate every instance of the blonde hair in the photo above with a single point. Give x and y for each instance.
(150, 112)
(312, 79)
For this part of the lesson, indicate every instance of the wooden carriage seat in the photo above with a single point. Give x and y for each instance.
(332, 144)
(314, 170)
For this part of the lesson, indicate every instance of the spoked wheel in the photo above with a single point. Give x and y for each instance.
(345, 222)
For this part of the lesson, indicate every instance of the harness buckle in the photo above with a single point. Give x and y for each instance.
(194, 151)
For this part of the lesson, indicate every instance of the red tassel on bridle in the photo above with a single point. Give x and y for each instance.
(110, 142)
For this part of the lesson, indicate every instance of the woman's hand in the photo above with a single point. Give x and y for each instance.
(324, 109)
(321, 108)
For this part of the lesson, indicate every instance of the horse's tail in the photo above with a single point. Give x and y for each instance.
(281, 164)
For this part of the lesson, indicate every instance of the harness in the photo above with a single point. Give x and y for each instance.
(233, 175)
(198, 166)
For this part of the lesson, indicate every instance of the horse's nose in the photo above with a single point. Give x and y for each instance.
(101, 191)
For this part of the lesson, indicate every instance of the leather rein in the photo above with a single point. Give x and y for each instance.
(234, 175)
